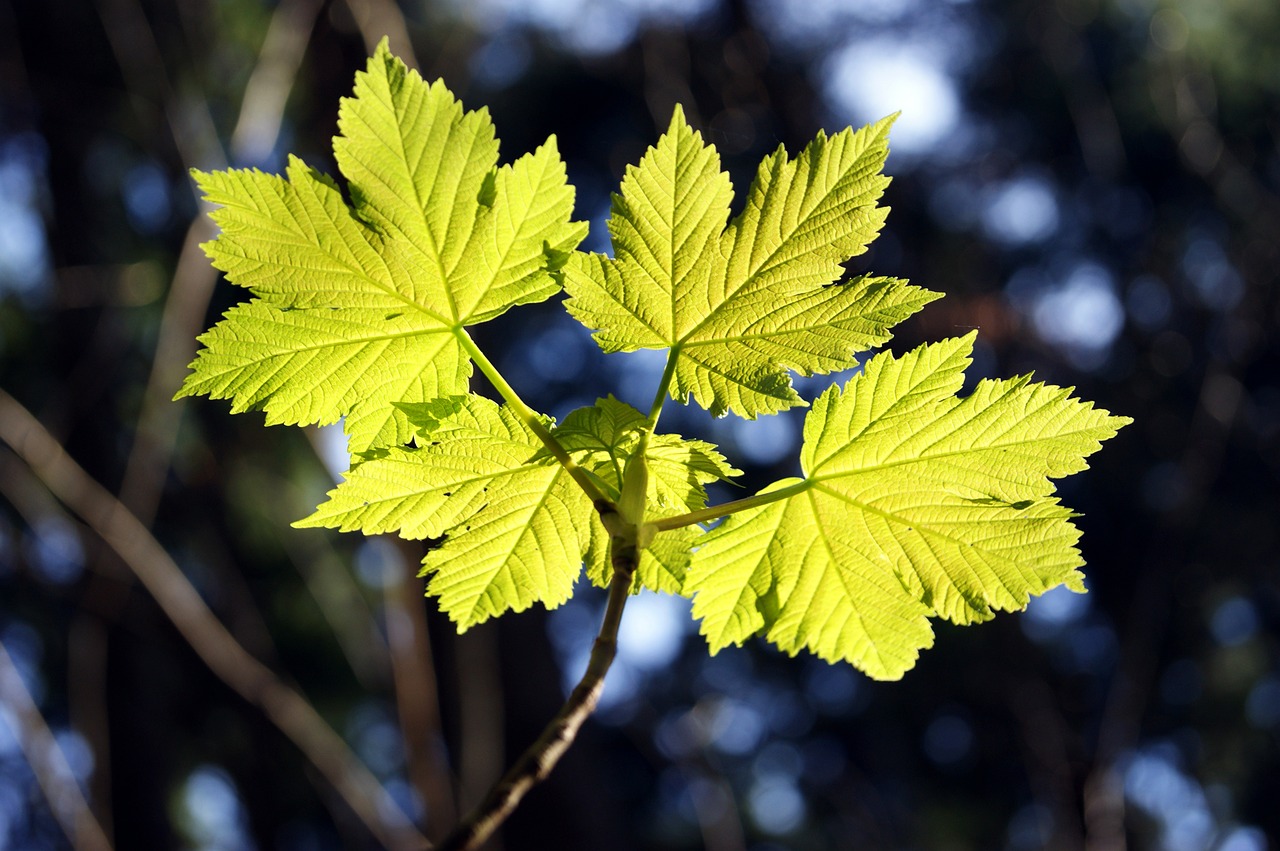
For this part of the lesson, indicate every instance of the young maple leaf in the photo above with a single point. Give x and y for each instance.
(915, 503)
(740, 304)
(517, 528)
(360, 307)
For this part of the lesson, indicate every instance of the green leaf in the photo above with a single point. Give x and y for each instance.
(361, 307)
(313, 366)
(421, 168)
(915, 503)
(601, 439)
(741, 303)
(516, 527)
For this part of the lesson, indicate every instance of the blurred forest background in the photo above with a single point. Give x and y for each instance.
(1095, 184)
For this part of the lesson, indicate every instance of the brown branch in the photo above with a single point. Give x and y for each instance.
(1193, 130)
(257, 129)
(48, 762)
(86, 635)
(87, 676)
(1091, 108)
(227, 658)
(479, 704)
(265, 95)
(137, 51)
(416, 693)
(376, 19)
(536, 763)
(1046, 742)
(156, 431)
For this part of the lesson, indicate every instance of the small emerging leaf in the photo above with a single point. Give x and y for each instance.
(517, 529)
(602, 438)
(515, 525)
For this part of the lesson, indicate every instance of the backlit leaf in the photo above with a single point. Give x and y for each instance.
(915, 503)
(361, 307)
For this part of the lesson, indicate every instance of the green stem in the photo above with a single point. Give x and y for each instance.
(664, 386)
(530, 417)
(635, 477)
(724, 509)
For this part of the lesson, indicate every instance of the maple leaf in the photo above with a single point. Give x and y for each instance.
(741, 303)
(515, 525)
(516, 528)
(915, 503)
(364, 306)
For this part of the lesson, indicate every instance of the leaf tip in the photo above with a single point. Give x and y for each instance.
(314, 519)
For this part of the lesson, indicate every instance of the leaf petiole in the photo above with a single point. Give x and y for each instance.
(530, 418)
(664, 389)
(724, 509)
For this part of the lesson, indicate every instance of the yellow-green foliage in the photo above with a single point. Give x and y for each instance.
(915, 503)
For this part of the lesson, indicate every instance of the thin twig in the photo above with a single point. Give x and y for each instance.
(156, 431)
(87, 676)
(416, 693)
(48, 763)
(234, 665)
(480, 706)
(191, 288)
(1048, 749)
(536, 763)
(255, 135)
(137, 51)
(271, 83)
(377, 19)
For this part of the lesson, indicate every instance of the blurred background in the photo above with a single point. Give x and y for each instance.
(1095, 184)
